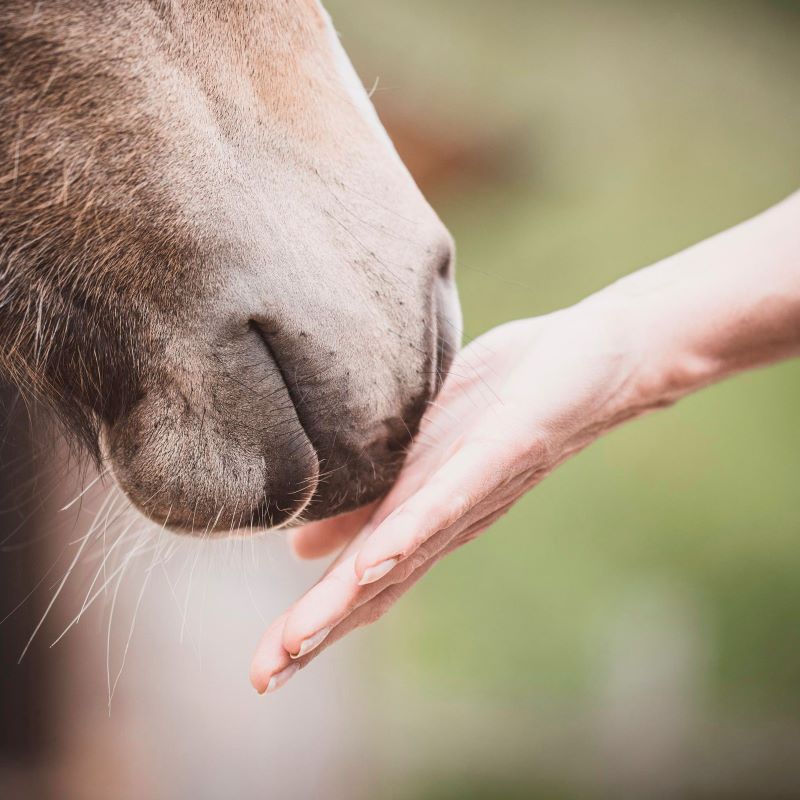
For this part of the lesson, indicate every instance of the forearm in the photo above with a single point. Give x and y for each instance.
(729, 303)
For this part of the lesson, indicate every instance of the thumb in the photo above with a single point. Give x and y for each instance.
(318, 539)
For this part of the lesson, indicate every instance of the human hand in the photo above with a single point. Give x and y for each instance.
(518, 401)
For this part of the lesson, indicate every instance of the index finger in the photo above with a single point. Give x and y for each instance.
(473, 473)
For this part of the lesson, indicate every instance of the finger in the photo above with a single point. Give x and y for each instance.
(335, 598)
(318, 539)
(390, 591)
(370, 611)
(271, 665)
(420, 464)
(270, 660)
(478, 469)
(315, 621)
(381, 597)
(338, 595)
(318, 610)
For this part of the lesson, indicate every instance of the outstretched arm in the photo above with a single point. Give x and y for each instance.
(525, 396)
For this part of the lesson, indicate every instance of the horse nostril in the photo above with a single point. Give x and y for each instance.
(445, 265)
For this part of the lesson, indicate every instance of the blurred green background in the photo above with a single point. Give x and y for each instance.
(632, 628)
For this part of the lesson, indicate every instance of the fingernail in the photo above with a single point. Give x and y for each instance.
(372, 574)
(279, 678)
(307, 645)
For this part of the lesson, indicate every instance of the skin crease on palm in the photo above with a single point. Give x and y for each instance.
(527, 395)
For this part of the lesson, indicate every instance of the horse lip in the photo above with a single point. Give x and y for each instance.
(264, 516)
(263, 511)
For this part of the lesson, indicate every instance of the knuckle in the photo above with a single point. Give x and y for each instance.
(457, 506)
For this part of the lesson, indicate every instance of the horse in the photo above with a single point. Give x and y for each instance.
(214, 267)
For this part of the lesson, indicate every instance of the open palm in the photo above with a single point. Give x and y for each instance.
(518, 401)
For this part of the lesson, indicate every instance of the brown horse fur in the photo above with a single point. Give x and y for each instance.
(213, 265)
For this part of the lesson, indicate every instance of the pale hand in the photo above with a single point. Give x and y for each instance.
(518, 401)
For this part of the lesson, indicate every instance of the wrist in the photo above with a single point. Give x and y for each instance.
(729, 303)
(654, 326)
(653, 369)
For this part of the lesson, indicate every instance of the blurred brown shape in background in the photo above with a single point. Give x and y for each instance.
(26, 708)
(442, 153)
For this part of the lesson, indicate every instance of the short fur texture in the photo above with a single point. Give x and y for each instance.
(213, 265)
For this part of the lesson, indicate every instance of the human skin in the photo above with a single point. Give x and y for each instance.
(526, 396)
